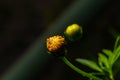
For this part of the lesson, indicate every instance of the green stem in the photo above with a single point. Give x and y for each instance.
(79, 70)
(111, 75)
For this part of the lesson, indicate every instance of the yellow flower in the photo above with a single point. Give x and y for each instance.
(55, 43)
(73, 32)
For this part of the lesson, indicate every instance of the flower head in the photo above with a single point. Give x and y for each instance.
(73, 32)
(55, 44)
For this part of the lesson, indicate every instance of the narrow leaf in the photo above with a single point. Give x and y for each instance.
(103, 61)
(89, 63)
(116, 55)
(110, 55)
(117, 42)
(107, 52)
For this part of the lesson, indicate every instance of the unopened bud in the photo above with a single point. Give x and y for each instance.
(56, 45)
(73, 32)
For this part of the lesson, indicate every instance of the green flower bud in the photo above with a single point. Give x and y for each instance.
(73, 32)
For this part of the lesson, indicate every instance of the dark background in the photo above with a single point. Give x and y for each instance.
(23, 21)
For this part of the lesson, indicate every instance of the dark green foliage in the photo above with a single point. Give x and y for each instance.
(106, 61)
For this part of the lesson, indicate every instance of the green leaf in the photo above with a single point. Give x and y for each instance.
(116, 55)
(89, 63)
(117, 42)
(103, 61)
(110, 55)
(107, 52)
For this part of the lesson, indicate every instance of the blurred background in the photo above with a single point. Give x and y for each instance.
(22, 22)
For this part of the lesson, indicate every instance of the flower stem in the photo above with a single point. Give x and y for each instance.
(79, 70)
(111, 76)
